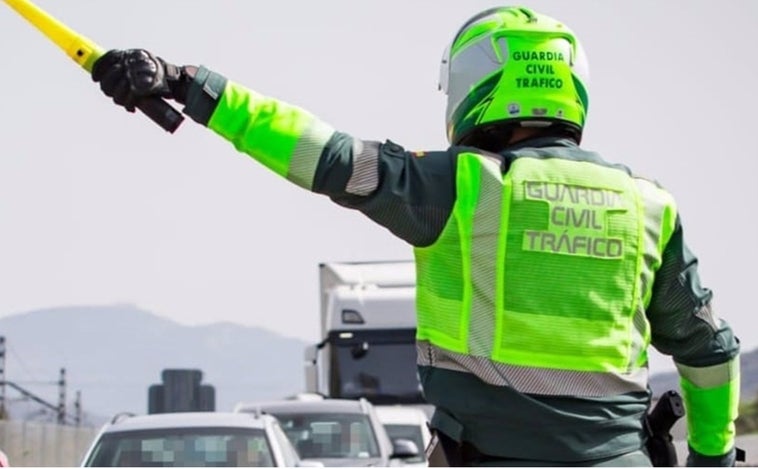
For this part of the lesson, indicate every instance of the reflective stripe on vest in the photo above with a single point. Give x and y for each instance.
(581, 243)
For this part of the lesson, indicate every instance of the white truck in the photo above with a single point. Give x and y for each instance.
(368, 326)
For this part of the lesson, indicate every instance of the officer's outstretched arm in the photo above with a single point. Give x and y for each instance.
(285, 138)
(408, 194)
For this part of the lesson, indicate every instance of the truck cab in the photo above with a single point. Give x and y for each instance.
(368, 327)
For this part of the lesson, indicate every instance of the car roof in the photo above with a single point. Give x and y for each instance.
(348, 406)
(187, 420)
(401, 415)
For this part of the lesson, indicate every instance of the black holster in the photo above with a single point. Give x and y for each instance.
(658, 423)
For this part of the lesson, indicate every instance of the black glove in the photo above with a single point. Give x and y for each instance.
(126, 76)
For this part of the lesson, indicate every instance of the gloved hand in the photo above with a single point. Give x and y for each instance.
(126, 76)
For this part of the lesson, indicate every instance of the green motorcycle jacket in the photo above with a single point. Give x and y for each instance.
(543, 275)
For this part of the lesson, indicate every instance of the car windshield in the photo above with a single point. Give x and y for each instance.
(183, 447)
(407, 432)
(381, 372)
(330, 435)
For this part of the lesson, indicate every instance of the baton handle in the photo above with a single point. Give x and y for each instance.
(161, 112)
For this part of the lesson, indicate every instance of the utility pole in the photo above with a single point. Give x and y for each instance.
(62, 398)
(78, 409)
(60, 409)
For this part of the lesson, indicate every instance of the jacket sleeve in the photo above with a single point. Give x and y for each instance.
(409, 193)
(704, 349)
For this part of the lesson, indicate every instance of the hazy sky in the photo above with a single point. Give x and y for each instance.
(98, 206)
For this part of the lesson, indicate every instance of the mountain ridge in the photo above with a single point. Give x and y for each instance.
(113, 353)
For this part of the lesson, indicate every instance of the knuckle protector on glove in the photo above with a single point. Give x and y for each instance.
(145, 72)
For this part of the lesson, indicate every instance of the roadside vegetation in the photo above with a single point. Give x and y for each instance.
(747, 422)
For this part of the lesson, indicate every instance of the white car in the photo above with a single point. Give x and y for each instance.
(408, 423)
(335, 432)
(220, 439)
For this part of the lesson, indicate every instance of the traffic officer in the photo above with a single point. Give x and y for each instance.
(544, 272)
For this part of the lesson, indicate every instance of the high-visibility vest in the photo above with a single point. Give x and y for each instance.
(541, 277)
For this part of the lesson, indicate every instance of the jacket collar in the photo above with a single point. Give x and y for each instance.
(542, 142)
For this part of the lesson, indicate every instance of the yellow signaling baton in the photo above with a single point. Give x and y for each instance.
(85, 52)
